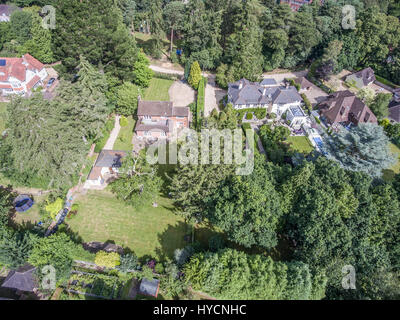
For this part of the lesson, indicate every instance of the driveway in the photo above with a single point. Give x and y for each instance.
(316, 95)
(181, 94)
(279, 77)
(213, 95)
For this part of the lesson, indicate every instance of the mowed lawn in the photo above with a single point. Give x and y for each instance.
(3, 108)
(300, 144)
(158, 90)
(147, 231)
(124, 140)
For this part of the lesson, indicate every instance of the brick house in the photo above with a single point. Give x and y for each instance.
(343, 107)
(160, 119)
(21, 75)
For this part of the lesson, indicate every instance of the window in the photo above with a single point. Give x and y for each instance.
(147, 117)
(163, 134)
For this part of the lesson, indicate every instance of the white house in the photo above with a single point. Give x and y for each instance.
(106, 167)
(296, 116)
(21, 75)
(244, 94)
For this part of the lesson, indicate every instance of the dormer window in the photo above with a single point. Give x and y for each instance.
(367, 116)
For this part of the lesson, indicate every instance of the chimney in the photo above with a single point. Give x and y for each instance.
(264, 91)
(240, 85)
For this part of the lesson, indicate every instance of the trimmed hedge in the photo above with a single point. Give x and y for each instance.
(260, 113)
(200, 102)
(101, 142)
(307, 103)
(249, 116)
(167, 76)
(386, 82)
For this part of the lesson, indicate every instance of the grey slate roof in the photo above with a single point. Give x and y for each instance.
(161, 109)
(367, 75)
(149, 287)
(394, 110)
(21, 279)
(7, 9)
(110, 159)
(244, 92)
(268, 82)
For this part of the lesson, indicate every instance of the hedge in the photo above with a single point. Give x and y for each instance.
(167, 76)
(260, 113)
(307, 102)
(387, 82)
(249, 115)
(200, 101)
(101, 142)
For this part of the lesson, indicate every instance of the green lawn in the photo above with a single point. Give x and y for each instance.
(3, 107)
(158, 90)
(32, 215)
(147, 231)
(389, 174)
(300, 144)
(124, 140)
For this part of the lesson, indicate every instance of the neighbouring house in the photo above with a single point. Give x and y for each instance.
(344, 108)
(106, 168)
(296, 116)
(149, 287)
(276, 98)
(305, 85)
(295, 5)
(362, 78)
(20, 283)
(394, 107)
(6, 11)
(160, 119)
(21, 75)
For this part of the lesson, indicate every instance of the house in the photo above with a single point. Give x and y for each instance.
(362, 78)
(343, 107)
(149, 287)
(305, 85)
(295, 5)
(21, 75)
(19, 283)
(6, 11)
(394, 107)
(160, 119)
(106, 167)
(276, 98)
(296, 116)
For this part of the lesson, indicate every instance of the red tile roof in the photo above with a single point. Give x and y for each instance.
(33, 62)
(32, 83)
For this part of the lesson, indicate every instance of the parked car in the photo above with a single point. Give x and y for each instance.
(51, 81)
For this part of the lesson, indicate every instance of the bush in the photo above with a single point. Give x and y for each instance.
(123, 121)
(107, 259)
(260, 113)
(174, 57)
(167, 76)
(200, 102)
(159, 268)
(101, 142)
(272, 115)
(307, 102)
(249, 116)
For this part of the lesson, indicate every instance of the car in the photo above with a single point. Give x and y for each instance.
(51, 81)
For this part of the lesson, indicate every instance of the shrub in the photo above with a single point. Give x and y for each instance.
(249, 116)
(123, 121)
(195, 75)
(54, 208)
(307, 102)
(107, 259)
(159, 268)
(174, 57)
(260, 113)
(200, 102)
(128, 261)
(167, 76)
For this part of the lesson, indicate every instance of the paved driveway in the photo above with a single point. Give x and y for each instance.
(181, 94)
(213, 96)
(279, 77)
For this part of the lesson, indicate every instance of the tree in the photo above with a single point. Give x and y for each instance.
(21, 24)
(143, 74)
(6, 204)
(54, 208)
(15, 247)
(128, 262)
(363, 148)
(40, 44)
(107, 259)
(174, 16)
(57, 250)
(380, 105)
(127, 98)
(195, 75)
(367, 95)
(231, 274)
(139, 183)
